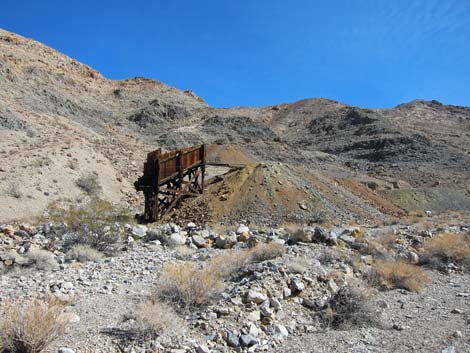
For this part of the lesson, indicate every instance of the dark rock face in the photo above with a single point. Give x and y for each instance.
(9, 120)
(158, 113)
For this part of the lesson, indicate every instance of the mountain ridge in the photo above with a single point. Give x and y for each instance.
(56, 112)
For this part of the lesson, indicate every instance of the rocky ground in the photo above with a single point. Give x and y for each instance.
(346, 231)
(274, 303)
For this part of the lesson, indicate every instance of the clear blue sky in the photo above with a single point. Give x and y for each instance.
(374, 53)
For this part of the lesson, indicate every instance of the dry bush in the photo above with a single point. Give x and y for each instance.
(182, 252)
(85, 224)
(154, 318)
(89, 184)
(230, 262)
(350, 307)
(265, 251)
(330, 256)
(83, 253)
(298, 265)
(445, 248)
(42, 260)
(14, 191)
(380, 245)
(187, 285)
(32, 327)
(398, 274)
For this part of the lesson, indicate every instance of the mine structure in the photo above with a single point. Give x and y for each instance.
(169, 177)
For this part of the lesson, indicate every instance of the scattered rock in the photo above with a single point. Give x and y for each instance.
(296, 285)
(232, 339)
(281, 330)
(255, 297)
(248, 341)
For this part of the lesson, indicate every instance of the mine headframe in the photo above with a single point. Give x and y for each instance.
(169, 177)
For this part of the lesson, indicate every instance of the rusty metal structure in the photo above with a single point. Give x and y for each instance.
(169, 177)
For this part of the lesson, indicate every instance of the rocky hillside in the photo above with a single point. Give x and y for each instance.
(68, 132)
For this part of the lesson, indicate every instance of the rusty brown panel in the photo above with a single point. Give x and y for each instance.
(168, 168)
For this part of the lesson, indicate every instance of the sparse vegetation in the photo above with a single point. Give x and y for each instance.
(31, 327)
(445, 248)
(380, 245)
(89, 184)
(187, 285)
(229, 262)
(89, 224)
(265, 251)
(42, 162)
(42, 260)
(348, 308)
(299, 265)
(14, 191)
(397, 274)
(83, 253)
(153, 318)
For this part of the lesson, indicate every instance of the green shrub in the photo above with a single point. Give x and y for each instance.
(89, 184)
(86, 224)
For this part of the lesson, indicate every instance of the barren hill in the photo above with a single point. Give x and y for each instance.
(64, 126)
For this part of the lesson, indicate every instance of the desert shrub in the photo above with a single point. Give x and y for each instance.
(182, 252)
(397, 274)
(187, 285)
(42, 260)
(32, 327)
(89, 184)
(229, 262)
(445, 248)
(83, 253)
(380, 245)
(14, 191)
(298, 265)
(41, 162)
(265, 251)
(330, 256)
(87, 224)
(154, 318)
(349, 308)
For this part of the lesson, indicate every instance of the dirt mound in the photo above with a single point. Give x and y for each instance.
(273, 194)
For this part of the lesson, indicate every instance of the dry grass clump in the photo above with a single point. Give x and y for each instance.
(298, 265)
(350, 307)
(187, 285)
(230, 262)
(190, 286)
(86, 224)
(380, 245)
(154, 318)
(32, 327)
(42, 260)
(89, 184)
(398, 274)
(445, 248)
(83, 253)
(265, 251)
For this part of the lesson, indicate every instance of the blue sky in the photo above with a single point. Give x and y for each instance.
(371, 53)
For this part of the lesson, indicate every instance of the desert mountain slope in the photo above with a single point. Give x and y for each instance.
(62, 123)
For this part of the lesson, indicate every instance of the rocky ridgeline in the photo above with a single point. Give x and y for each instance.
(262, 304)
